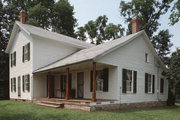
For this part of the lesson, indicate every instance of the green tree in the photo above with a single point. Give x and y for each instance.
(175, 15)
(39, 16)
(81, 33)
(63, 20)
(173, 75)
(162, 43)
(99, 31)
(113, 31)
(4, 61)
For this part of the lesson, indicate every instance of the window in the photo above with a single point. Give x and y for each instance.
(99, 80)
(13, 59)
(13, 84)
(162, 85)
(146, 57)
(102, 79)
(26, 52)
(129, 79)
(26, 83)
(149, 83)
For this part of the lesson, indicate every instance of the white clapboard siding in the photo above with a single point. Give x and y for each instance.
(132, 56)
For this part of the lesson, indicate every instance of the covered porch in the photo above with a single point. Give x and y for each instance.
(87, 83)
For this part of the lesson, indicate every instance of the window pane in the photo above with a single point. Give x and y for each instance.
(129, 81)
(149, 84)
(99, 80)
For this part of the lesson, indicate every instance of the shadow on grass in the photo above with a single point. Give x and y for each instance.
(176, 107)
(32, 116)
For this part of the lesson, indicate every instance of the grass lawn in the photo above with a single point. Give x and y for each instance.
(10, 110)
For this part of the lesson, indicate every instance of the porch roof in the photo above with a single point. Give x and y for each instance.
(90, 54)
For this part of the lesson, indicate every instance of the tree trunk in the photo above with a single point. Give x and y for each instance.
(172, 95)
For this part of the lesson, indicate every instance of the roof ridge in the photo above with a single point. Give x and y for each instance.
(76, 41)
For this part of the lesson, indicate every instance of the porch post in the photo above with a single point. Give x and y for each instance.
(67, 85)
(94, 82)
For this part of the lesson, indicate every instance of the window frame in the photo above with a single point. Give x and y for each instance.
(26, 83)
(132, 81)
(13, 84)
(26, 52)
(150, 80)
(99, 79)
(13, 59)
(162, 89)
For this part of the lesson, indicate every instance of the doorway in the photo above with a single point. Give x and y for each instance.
(80, 85)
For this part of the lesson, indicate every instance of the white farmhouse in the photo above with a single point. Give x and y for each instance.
(59, 71)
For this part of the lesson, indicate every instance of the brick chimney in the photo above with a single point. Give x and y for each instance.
(22, 16)
(135, 25)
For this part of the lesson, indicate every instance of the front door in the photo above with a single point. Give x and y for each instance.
(19, 86)
(80, 85)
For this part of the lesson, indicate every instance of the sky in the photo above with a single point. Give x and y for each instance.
(86, 10)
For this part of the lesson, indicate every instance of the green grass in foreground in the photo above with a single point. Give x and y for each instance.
(10, 110)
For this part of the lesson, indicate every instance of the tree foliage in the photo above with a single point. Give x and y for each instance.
(173, 75)
(99, 30)
(162, 43)
(175, 15)
(63, 20)
(4, 61)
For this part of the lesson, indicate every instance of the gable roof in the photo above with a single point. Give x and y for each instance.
(96, 52)
(37, 31)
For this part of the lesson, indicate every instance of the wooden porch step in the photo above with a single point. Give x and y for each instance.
(52, 102)
(49, 105)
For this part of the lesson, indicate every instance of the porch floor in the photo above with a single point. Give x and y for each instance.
(80, 104)
(73, 100)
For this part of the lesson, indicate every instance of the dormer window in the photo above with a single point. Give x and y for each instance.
(146, 57)
(13, 59)
(26, 52)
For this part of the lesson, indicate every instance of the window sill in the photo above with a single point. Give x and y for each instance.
(26, 91)
(150, 93)
(26, 61)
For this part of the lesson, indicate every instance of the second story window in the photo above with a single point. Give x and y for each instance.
(26, 52)
(13, 59)
(146, 57)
